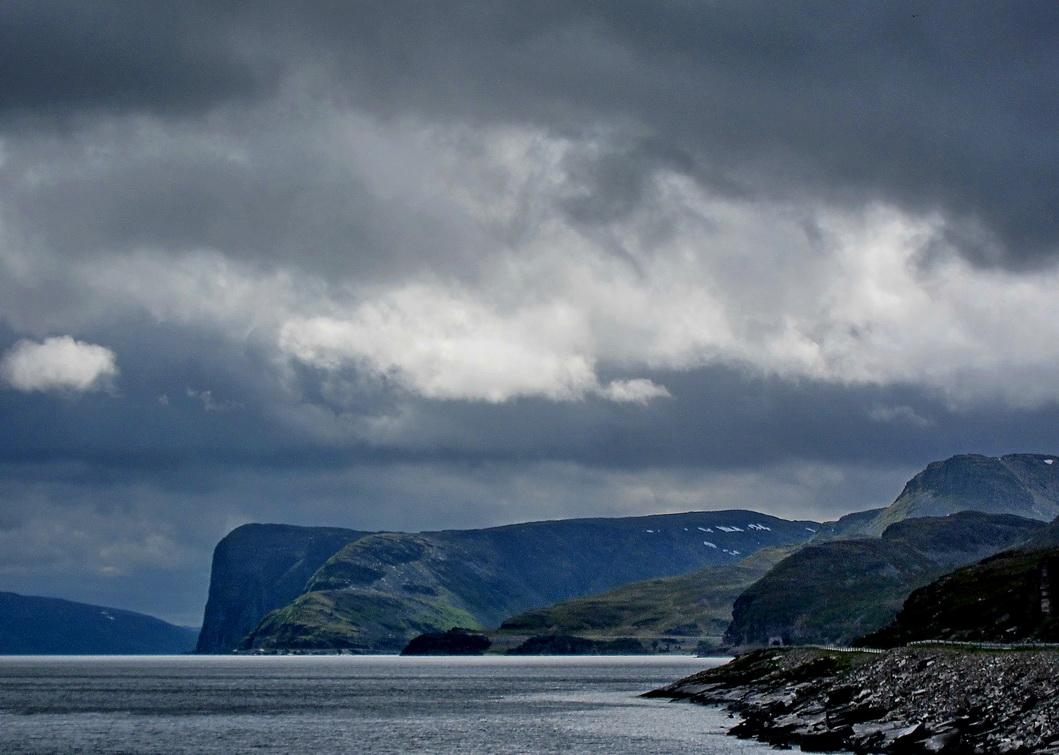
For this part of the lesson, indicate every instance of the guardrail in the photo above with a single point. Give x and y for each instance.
(991, 645)
(844, 649)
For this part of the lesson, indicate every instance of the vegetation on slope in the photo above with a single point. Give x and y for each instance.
(693, 605)
(1010, 597)
(836, 591)
(1022, 484)
(258, 568)
(360, 621)
(474, 578)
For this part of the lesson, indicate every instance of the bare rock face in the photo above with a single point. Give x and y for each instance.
(906, 701)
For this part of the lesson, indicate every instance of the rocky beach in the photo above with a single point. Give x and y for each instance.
(908, 700)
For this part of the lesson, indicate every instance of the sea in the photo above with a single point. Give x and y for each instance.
(355, 704)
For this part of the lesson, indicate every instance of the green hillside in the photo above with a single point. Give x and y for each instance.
(833, 592)
(698, 604)
(258, 568)
(1010, 597)
(380, 591)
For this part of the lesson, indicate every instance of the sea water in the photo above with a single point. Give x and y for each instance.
(354, 704)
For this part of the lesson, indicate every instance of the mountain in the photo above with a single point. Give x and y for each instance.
(848, 527)
(1010, 597)
(32, 625)
(1026, 485)
(833, 592)
(379, 591)
(696, 604)
(258, 568)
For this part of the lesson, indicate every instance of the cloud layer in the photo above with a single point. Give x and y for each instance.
(459, 263)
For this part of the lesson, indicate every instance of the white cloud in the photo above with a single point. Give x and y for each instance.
(447, 345)
(58, 364)
(638, 391)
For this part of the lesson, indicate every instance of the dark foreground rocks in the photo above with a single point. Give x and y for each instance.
(907, 701)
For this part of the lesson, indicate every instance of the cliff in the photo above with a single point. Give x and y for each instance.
(258, 568)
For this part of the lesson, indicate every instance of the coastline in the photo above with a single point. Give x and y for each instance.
(907, 700)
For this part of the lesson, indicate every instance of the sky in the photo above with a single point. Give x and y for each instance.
(459, 263)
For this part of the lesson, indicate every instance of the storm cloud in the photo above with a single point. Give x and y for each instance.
(451, 264)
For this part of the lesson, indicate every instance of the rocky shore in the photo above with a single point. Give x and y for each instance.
(907, 700)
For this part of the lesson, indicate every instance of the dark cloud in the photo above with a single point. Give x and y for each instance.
(947, 108)
(60, 58)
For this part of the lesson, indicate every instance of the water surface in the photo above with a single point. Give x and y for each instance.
(354, 704)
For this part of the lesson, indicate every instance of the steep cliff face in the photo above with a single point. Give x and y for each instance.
(836, 591)
(258, 568)
(48, 626)
(380, 591)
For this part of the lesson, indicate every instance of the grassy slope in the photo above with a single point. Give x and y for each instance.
(836, 591)
(696, 604)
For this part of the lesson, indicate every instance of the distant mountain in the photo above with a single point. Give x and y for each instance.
(833, 592)
(379, 591)
(258, 568)
(31, 625)
(698, 604)
(848, 527)
(1047, 537)
(1026, 485)
(1010, 597)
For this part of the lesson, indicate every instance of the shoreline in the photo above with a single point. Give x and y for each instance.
(908, 700)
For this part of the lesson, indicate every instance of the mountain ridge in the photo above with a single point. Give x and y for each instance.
(477, 578)
(37, 625)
